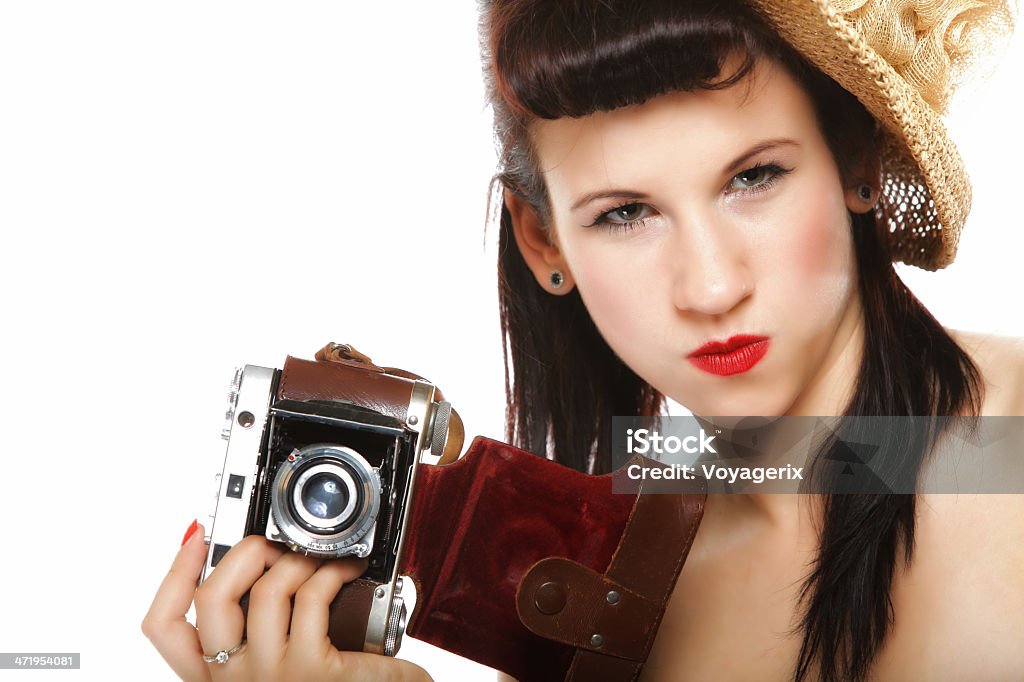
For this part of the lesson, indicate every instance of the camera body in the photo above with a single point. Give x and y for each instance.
(322, 457)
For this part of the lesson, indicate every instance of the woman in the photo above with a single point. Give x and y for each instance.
(693, 209)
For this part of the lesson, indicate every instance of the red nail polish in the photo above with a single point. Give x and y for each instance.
(190, 532)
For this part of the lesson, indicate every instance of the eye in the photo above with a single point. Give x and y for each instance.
(758, 178)
(627, 213)
(626, 216)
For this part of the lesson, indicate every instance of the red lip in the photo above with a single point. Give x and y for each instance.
(736, 355)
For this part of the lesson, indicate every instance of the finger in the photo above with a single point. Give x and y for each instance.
(311, 615)
(165, 624)
(270, 606)
(219, 615)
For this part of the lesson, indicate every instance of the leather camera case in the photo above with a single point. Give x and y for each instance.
(519, 563)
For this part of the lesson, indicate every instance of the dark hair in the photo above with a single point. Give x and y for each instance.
(552, 59)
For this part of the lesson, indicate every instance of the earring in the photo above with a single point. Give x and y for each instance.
(866, 193)
(557, 279)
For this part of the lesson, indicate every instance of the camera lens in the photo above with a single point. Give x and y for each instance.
(325, 495)
(325, 500)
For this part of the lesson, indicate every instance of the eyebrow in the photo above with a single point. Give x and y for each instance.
(737, 163)
(733, 166)
(606, 194)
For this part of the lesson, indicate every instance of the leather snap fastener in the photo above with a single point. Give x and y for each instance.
(550, 598)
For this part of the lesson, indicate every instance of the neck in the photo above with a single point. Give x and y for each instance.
(784, 522)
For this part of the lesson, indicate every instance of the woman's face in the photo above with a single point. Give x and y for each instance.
(712, 217)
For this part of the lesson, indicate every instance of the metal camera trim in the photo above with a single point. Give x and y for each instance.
(381, 634)
(354, 539)
(251, 393)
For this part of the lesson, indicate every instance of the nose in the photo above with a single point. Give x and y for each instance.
(711, 273)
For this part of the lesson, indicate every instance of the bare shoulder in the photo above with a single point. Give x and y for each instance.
(987, 525)
(959, 606)
(1001, 361)
(976, 542)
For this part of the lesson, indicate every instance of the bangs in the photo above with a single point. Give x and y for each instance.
(572, 58)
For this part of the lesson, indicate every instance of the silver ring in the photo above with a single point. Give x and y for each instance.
(223, 655)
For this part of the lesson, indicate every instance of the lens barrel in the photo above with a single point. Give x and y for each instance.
(325, 501)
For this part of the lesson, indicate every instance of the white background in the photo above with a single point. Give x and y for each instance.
(186, 187)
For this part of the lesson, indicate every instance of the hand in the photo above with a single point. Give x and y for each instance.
(284, 643)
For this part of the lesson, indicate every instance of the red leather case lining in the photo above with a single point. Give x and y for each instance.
(479, 525)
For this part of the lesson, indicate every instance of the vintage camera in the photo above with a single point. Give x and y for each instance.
(322, 456)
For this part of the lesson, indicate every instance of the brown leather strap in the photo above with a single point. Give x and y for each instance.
(568, 602)
(587, 665)
(612, 618)
(344, 354)
(648, 560)
(661, 527)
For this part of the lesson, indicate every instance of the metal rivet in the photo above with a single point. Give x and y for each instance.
(596, 641)
(613, 597)
(379, 593)
(413, 419)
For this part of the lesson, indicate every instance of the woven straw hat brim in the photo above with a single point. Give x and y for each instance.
(925, 192)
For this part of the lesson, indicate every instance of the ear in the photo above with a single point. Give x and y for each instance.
(868, 176)
(539, 250)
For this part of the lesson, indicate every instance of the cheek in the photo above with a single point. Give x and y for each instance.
(819, 252)
(616, 289)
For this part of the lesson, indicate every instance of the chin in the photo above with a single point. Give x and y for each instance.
(750, 403)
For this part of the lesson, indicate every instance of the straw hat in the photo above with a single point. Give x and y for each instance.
(902, 59)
